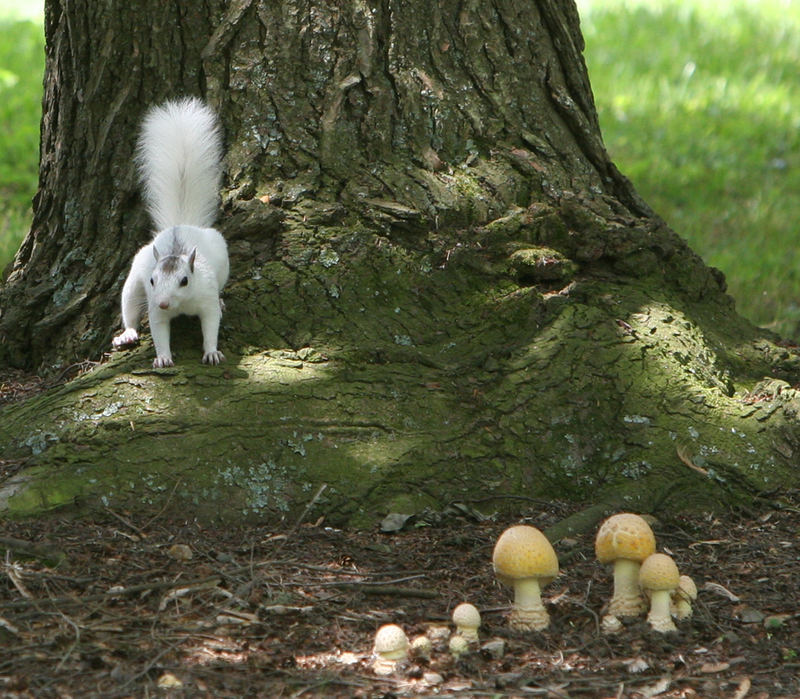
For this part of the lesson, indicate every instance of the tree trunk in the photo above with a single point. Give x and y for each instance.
(442, 288)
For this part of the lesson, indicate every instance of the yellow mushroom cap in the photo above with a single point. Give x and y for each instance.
(687, 587)
(659, 572)
(523, 551)
(624, 535)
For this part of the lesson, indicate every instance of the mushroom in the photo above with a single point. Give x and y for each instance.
(391, 646)
(683, 597)
(421, 647)
(458, 645)
(659, 577)
(438, 633)
(625, 540)
(467, 619)
(524, 559)
(610, 624)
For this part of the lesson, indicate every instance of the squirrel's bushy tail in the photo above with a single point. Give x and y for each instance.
(180, 160)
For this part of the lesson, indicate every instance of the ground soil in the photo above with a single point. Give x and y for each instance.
(291, 610)
(124, 605)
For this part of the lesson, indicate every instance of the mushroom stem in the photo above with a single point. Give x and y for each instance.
(659, 617)
(627, 600)
(528, 612)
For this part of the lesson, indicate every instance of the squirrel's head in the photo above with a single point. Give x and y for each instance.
(171, 280)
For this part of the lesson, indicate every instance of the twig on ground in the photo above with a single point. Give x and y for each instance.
(13, 575)
(74, 643)
(126, 522)
(302, 517)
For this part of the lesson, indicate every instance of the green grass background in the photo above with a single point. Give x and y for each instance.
(21, 67)
(699, 104)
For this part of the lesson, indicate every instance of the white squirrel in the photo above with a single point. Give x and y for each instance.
(184, 268)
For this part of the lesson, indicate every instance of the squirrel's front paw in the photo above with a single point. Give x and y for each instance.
(214, 357)
(128, 337)
(161, 362)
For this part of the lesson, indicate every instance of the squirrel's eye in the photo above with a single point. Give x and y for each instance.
(151, 281)
(184, 281)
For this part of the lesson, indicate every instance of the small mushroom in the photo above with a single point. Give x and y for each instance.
(625, 540)
(658, 577)
(524, 559)
(610, 624)
(421, 647)
(458, 645)
(683, 597)
(439, 635)
(391, 647)
(467, 619)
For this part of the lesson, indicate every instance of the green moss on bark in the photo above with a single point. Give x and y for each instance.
(401, 182)
(418, 375)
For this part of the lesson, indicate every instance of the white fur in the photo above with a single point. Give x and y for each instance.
(179, 154)
(184, 268)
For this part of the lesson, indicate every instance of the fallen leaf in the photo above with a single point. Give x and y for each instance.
(495, 648)
(169, 681)
(432, 678)
(714, 667)
(232, 617)
(718, 589)
(742, 689)
(636, 665)
(653, 690)
(394, 522)
(180, 552)
(748, 615)
(458, 685)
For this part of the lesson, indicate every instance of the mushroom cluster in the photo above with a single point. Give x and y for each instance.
(625, 540)
(524, 559)
(641, 574)
(392, 647)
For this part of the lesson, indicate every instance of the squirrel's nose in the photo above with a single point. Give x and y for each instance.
(163, 304)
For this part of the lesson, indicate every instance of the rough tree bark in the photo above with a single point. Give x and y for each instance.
(442, 287)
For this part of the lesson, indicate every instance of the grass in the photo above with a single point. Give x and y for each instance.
(699, 104)
(21, 67)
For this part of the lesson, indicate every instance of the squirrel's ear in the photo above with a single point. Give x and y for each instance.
(156, 253)
(192, 255)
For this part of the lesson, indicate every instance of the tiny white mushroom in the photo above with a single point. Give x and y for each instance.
(438, 634)
(458, 645)
(683, 597)
(421, 647)
(467, 619)
(658, 577)
(625, 540)
(610, 624)
(524, 559)
(391, 647)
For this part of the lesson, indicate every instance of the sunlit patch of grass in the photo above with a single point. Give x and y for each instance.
(21, 67)
(700, 106)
